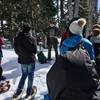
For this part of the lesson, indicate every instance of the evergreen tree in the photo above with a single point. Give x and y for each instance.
(48, 8)
(84, 9)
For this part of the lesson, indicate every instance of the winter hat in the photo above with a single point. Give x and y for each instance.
(73, 19)
(96, 29)
(76, 27)
(96, 26)
(26, 27)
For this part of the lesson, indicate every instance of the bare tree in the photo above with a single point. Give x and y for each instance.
(73, 8)
(76, 8)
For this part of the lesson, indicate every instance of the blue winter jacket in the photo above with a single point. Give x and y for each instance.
(89, 47)
(74, 41)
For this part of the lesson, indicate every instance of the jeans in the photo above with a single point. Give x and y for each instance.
(27, 71)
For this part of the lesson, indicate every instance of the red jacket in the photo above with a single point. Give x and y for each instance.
(64, 35)
(1, 42)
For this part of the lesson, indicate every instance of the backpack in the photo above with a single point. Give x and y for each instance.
(80, 54)
(41, 57)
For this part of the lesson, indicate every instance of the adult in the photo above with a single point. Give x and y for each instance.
(52, 41)
(95, 39)
(25, 47)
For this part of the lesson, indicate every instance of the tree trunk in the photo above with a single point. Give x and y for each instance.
(76, 8)
(61, 8)
(57, 11)
(70, 9)
(11, 36)
(92, 14)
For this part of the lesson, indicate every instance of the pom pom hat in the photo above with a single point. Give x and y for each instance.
(76, 27)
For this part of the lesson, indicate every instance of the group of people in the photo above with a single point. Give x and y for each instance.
(71, 76)
(75, 74)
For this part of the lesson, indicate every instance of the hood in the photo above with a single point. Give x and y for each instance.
(70, 43)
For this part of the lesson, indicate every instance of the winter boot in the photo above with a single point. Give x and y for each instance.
(18, 94)
(32, 94)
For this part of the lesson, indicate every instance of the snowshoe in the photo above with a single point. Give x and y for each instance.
(17, 95)
(32, 95)
(4, 83)
(4, 87)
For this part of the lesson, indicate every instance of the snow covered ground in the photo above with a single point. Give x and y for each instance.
(12, 71)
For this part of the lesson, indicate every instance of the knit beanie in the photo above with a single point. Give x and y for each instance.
(76, 27)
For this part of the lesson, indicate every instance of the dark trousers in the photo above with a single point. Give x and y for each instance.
(53, 42)
(98, 65)
(0, 71)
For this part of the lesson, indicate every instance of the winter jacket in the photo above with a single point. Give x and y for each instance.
(96, 43)
(25, 48)
(89, 47)
(1, 43)
(64, 36)
(75, 40)
(52, 33)
(70, 80)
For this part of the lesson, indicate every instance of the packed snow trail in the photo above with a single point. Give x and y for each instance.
(12, 71)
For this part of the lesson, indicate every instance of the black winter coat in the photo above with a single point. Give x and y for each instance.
(70, 81)
(25, 48)
(96, 49)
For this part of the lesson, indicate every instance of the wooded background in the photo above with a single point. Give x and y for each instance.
(13, 13)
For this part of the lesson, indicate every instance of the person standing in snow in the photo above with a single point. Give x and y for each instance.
(25, 47)
(1, 55)
(52, 41)
(95, 39)
(86, 43)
